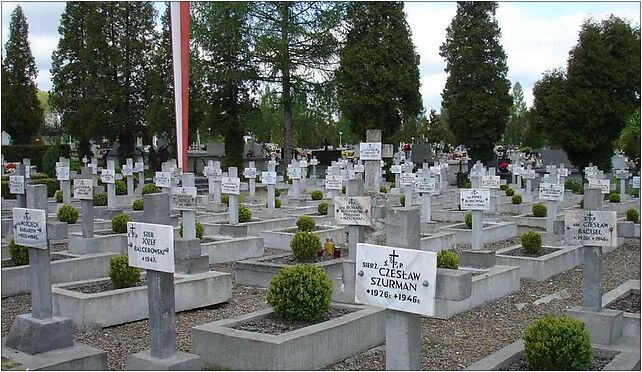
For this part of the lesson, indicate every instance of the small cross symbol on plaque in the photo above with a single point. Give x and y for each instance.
(590, 214)
(131, 231)
(393, 257)
(27, 216)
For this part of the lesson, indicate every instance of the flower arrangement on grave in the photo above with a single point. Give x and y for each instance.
(510, 192)
(200, 230)
(67, 213)
(150, 188)
(138, 205)
(121, 187)
(532, 242)
(316, 195)
(245, 215)
(121, 274)
(322, 209)
(557, 343)
(19, 253)
(383, 189)
(58, 196)
(300, 292)
(503, 167)
(468, 220)
(306, 223)
(305, 245)
(119, 223)
(539, 210)
(516, 199)
(614, 197)
(100, 199)
(447, 260)
(632, 215)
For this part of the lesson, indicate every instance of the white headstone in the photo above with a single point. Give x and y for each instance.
(163, 179)
(231, 185)
(551, 191)
(370, 151)
(184, 198)
(108, 176)
(17, 185)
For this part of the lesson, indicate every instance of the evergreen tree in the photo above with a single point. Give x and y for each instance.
(378, 74)
(516, 122)
(22, 116)
(476, 91)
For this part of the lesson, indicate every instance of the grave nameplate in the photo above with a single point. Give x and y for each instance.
(215, 174)
(370, 151)
(62, 173)
(139, 167)
(231, 185)
(268, 178)
(294, 173)
(314, 162)
(603, 184)
(424, 185)
(396, 278)
(303, 163)
(127, 170)
(563, 172)
(151, 246)
(249, 172)
(387, 150)
(30, 227)
(333, 182)
(636, 182)
(83, 189)
(396, 169)
(94, 169)
(476, 173)
(184, 198)
(490, 182)
(163, 179)
(591, 228)
(353, 210)
(529, 174)
(475, 199)
(622, 173)
(108, 176)
(551, 191)
(408, 179)
(359, 168)
(16, 185)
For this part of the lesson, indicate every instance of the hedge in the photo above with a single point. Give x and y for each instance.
(15, 153)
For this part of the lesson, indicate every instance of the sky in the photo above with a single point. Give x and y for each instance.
(536, 36)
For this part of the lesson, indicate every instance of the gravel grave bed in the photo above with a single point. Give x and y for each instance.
(521, 252)
(491, 246)
(598, 363)
(272, 325)
(104, 286)
(294, 230)
(106, 232)
(52, 257)
(291, 260)
(451, 344)
(629, 303)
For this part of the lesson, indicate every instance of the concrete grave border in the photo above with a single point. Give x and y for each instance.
(631, 320)
(544, 267)
(281, 240)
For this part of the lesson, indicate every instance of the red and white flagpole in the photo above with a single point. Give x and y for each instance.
(179, 26)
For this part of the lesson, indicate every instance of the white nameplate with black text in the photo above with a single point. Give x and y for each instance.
(231, 185)
(151, 246)
(30, 227)
(591, 228)
(474, 199)
(83, 189)
(353, 210)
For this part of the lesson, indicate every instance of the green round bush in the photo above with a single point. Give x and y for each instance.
(614, 198)
(539, 210)
(138, 205)
(300, 292)
(516, 199)
(121, 274)
(383, 189)
(574, 185)
(306, 223)
(503, 187)
(632, 215)
(19, 253)
(317, 195)
(557, 343)
(402, 200)
(532, 242)
(225, 199)
(510, 192)
(290, 181)
(38, 176)
(343, 189)
(277, 203)
(322, 209)
(58, 196)
(447, 260)
(468, 219)
(5, 190)
(121, 187)
(245, 214)
(67, 213)
(277, 192)
(200, 230)
(305, 245)
(119, 223)
(100, 199)
(150, 188)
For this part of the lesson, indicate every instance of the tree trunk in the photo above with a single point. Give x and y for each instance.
(286, 99)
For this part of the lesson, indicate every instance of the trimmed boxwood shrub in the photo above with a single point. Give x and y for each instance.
(58, 196)
(305, 245)
(300, 292)
(447, 260)
(343, 189)
(277, 192)
(119, 223)
(503, 187)
(632, 214)
(245, 214)
(38, 176)
(317, 195)
(614, 198)
(100, 199)
(383, 189)
(306, 223)
(557, 343)
(138, 205)
(150, 188)
(510, 192)
(574, 185)
(468, 219)
(532, 242)
(67, 213)
(121, 187)
(322, 209)
(225, 199)
(539, 210)
(200, 230)
(277, 203)
(5, 190)
(121, 274)
(19, 253)
(516, 199)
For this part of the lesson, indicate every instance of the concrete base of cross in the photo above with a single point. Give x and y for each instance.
(79, 357)
(605, 326)
(180, 361)
(34, 336)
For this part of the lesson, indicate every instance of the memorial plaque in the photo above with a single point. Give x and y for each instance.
(30, 227)
(108, 176)
(370, 151)
(184, 198)
(215, 174)
(151, 246)
(83, 189)
(395, 169)
(408, 179)
(551, 191)
(62, 173)
(591, 228)
(249, 173)
(163, 179)
(563, 172)
(303, 163)
(529, 174)
(359, 168)
(424, 185)
(139, 167)
(474, 199)
(314, 162)
(17, 185)
(603, 184)
(94, 169)
(387, 150)
(476, 173)
(490, 182)
(231, 185)
(622, 174)
(294, 173)
(127, 170)
(353, 210)
(268, 178)
(636, 182)
(333, 182)
(396, 278)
